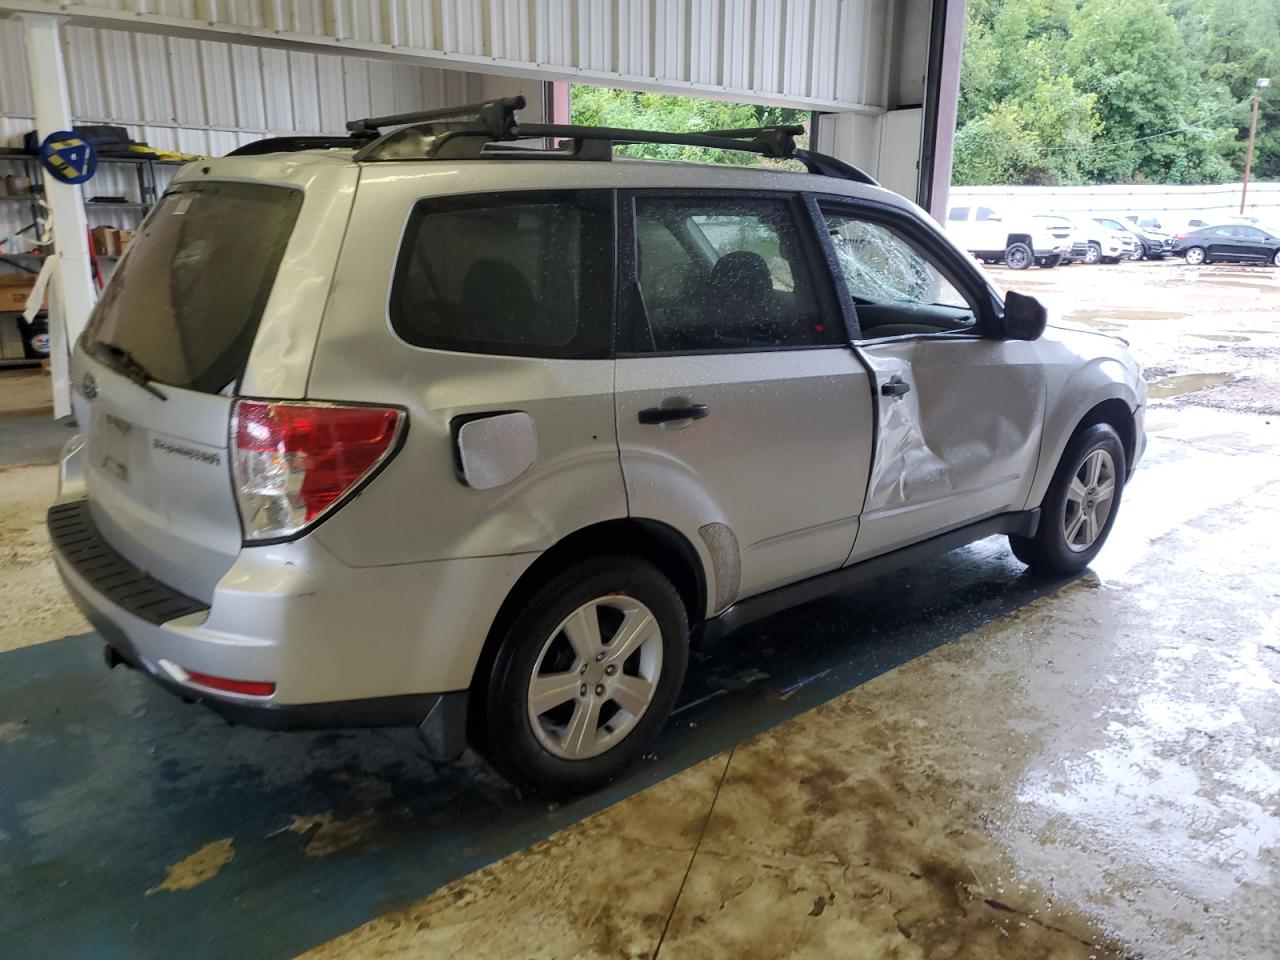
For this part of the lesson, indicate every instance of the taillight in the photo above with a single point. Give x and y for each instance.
(249, 688)
(1181, 236)
(294, 462)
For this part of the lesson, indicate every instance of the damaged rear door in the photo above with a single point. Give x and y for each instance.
(959, 415)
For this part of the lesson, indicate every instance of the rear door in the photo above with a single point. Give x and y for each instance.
(1221, 243)
(157, 369)
(959, 416)
(744, 419)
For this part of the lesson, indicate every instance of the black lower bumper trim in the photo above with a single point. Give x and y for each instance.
(86, 551)
(406, 710)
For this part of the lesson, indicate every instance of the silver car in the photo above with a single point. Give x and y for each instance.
(451, 428)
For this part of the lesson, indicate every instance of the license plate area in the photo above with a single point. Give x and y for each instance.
(115, 456)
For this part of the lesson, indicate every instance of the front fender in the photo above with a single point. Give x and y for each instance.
(1098, 380)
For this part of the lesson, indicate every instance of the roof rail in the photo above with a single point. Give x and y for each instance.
(474, 131)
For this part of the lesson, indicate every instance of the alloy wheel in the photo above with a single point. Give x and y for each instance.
(595, 677)
(1195, 256)
(1090, 498)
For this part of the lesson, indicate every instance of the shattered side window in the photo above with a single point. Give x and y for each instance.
(881, 267)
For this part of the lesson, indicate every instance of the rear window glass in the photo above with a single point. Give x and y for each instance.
(187, 300)
(525, 274)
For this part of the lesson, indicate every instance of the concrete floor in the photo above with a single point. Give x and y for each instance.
(955, 761)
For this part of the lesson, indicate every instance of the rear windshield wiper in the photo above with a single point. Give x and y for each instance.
(124, 362)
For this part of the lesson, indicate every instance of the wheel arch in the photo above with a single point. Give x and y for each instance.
(658, 543)
(1113, 403)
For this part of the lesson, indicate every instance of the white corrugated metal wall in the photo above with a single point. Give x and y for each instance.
(207, 97)
(824, 54)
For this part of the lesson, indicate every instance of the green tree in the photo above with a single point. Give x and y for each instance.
(603, 107)
(1079, 91)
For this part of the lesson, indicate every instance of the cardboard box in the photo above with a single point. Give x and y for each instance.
(125, 237)
(10, 339)
(14, 288)
(103, 239)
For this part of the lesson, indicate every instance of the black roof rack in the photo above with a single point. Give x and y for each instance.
(490, 128)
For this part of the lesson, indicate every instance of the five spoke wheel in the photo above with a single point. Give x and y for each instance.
(1090, 495)
(595, 677)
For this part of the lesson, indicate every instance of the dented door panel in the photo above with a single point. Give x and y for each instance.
(962, 443)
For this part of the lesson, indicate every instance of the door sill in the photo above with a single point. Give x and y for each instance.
(1022, 523)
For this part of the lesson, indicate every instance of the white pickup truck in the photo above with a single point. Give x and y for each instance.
(1017, 240)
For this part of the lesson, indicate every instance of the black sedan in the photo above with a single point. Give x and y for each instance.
(1236, 242)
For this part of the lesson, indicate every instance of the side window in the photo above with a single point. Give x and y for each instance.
(894, 285)
(1249, 233)
(958, 214)
(1221, 232)
(725, 274)
(986, 213)
(524, 274)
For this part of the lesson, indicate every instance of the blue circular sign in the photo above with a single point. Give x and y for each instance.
(68, 157)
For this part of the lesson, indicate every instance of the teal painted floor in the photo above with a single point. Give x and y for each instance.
(106, 780)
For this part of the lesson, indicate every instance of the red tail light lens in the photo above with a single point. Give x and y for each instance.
(293, 462)
(250, 688)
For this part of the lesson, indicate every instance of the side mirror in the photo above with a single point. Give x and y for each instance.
(1024, 317)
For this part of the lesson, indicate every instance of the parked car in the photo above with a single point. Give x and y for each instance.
(1017, 241)
(1154, 242)
(1115, 239)
(1238, 243)
(1077, 250)
(481, 446)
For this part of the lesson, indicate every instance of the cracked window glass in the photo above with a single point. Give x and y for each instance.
(880, 267)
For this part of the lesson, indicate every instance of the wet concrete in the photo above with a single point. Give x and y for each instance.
(1095, 774)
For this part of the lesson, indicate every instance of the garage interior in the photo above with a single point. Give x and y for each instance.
(955, 760)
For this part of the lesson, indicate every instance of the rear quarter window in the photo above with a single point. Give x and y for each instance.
(522, 274)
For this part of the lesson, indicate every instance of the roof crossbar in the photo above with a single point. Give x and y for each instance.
(472, 131)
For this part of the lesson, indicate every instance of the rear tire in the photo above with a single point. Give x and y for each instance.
(1275, 259)
(541, 730)
(1018, 256)
(1195, 256)
(1080, 505)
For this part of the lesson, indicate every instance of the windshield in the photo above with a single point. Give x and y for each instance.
(186, 301)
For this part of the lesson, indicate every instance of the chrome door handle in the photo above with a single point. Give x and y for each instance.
(692, 411)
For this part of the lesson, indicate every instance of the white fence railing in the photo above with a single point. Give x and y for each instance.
(1173, 206)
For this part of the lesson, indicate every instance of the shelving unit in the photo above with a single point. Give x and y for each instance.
(28, 165)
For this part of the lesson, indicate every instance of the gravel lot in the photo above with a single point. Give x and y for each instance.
(1208, 336)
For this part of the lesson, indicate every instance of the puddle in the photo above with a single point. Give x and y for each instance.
(1111, 316)
(1184, 383)
(1222, 337)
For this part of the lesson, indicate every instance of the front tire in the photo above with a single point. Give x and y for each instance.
(1080, 505)
(1275, 259)
(586, 676)
(1195, 256)
(1094, 253)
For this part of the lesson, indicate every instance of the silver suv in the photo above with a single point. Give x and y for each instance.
(464, 428)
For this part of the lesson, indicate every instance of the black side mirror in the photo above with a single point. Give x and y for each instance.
(1024, 317)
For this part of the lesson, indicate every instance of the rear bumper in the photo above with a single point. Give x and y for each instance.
(345, 646)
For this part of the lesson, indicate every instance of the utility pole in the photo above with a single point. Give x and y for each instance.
(1262, 84)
